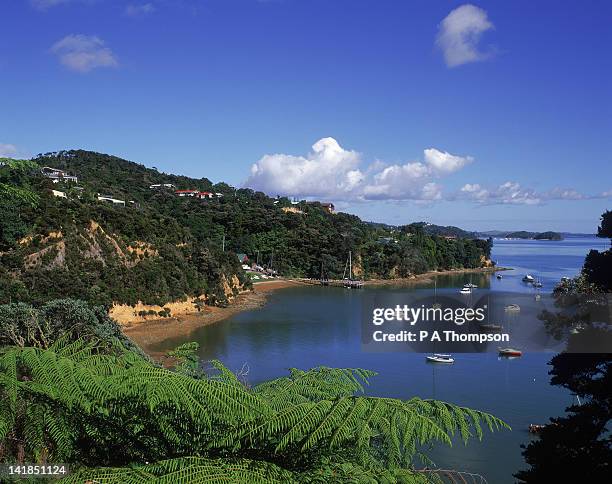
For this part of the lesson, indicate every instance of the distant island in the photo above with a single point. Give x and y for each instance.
(450, 231)
(522, 234)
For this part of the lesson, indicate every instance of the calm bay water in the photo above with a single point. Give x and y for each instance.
(311, 326)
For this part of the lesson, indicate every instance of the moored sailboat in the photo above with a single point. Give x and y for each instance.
(350, 282)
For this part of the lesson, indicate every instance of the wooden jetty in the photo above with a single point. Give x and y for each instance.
(352, 284)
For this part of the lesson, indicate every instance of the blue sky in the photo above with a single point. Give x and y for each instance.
(491, 115)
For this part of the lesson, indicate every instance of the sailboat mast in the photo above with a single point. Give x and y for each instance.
(350, 267)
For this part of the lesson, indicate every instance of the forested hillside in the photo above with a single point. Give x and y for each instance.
(160, 247)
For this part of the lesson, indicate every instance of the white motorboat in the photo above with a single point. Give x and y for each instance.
(512, 307)
(510, 352)
(440, 358)
(528, 278)
(466, 290)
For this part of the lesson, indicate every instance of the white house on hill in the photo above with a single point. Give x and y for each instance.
(57, 175)
(159, 186)
(114, 201)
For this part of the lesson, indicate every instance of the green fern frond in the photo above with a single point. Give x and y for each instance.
(316, 384)
(190, 470)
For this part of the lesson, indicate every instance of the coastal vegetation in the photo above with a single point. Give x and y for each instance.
(150, 245)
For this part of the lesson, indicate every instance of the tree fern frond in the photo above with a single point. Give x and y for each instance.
(190, 470)
(316, 384)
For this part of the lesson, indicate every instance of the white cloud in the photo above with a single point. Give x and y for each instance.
(83, 53)
(8, 150)
(333, 172)
(509, 193)
(564, 194)
(475, 192)
(444, 162)
(328, 170)
(459, 34)
(411, 181)
(136, 10)
(514, 194)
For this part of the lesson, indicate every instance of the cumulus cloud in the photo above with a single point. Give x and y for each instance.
(136, 10)
(507, 193)
(83, 53)
(459, 35)
(444, 162)
(331, 171)
(7, 150)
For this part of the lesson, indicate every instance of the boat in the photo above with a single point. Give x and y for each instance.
(576, 329)
(489, 327)
(440, 358)
(537, 284)
(538, 297)
(466, 290)
(512, 307)
(510, 352)
(470, 284)
(528, 278)
(436, 305)
(535, 428)
(350, 282)
(499, 276)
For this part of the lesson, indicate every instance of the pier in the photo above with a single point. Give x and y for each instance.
(351, 284)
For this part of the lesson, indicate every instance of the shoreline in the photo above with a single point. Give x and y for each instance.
(149, 333)
(427, 277)
(152, 332)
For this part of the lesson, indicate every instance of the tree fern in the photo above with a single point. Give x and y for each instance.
(191, 470)
(124, 410)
